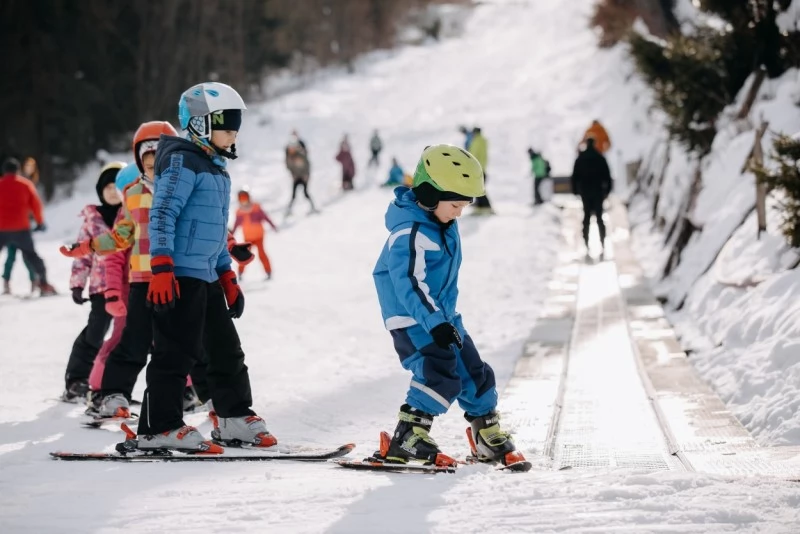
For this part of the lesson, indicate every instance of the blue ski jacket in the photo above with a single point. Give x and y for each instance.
(417, 272)
(189, 216)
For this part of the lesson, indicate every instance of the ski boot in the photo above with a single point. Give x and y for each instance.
(115, 405)
(75, 390)
(46, 290)
(186, 439)
(191, 402)
(93, 402)
(248, 430)
(491, 444)
(6, 287)
(411, 440)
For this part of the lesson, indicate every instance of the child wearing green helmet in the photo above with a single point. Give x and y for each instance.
(416, 278)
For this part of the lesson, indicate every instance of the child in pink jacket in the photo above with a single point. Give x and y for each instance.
(97, 220)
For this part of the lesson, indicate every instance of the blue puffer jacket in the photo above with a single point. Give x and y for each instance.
(189, 216)
(417, 273)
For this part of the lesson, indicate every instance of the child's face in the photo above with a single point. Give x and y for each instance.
(149, 165)
(111, 195)
(29, 168)
(223, 139)
(449, 210)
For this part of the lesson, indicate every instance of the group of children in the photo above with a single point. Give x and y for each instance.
(159, 262)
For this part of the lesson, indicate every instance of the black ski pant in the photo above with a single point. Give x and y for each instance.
(89, 341)
(129, 357)
(593, 205)
(483, 202)
(537, 196)
(198, 321)
(23, 240)
(373, 161)
(300, 182)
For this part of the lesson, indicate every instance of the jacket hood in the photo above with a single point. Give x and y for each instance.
(404, 209)
(168, 144)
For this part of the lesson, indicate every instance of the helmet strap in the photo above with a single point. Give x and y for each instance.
(224, 153)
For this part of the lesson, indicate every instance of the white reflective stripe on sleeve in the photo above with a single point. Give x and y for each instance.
(432, 394)
(394, 236)
(399, 321)
(421, 244)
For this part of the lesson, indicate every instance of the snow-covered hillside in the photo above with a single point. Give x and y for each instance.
(323, 369)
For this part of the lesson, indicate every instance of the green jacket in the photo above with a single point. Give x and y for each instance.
(538, 166)
(479, 148)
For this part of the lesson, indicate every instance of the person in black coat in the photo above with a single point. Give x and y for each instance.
(591, 180)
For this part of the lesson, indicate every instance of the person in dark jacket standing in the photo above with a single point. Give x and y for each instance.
(345, 157)
(591, 180)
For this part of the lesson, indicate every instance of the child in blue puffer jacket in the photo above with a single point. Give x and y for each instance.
(193, 289)
(417, 282)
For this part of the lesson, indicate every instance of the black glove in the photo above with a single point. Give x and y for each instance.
(241, 252)
(445, 335)
(237, 308)
(40, 227)
(77, 295)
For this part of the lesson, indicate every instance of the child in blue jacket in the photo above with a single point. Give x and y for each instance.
(193, 289)
(417, 282)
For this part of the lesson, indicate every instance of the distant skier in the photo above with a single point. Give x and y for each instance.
(467, 136)
(479, 147)
(18, 202)
(416, 278)
(30, 170)
(300, 169)
(345, 157)
(375, 147)
(596, 131)
(540, 169)
(396, 174)
(251, 218)
(591, 180)
(97, 220)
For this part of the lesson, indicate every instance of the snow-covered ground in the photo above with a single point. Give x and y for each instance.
(740, 316)
(322, 367)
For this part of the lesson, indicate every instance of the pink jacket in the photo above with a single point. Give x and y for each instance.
(92, 267)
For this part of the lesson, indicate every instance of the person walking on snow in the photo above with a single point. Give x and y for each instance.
(591, 180)
(375, 147)
(18, 201)
(479, 147)
(251, 218)
(540, 169)
(416, 278)
(348, 165)
(300, 169)
(596, 131)
(30, 170)
(193, 288)
(97, 220)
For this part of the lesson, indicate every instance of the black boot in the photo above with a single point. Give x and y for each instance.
(490, 442)
(411, 440)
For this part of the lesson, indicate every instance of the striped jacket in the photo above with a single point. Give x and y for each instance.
(417, 273)
(131, 231)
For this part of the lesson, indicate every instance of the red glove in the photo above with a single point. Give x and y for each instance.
(77, 250)
(115, 306)
(163, 289)
(233, 294)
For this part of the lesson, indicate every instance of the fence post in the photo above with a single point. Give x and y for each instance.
(761, 188)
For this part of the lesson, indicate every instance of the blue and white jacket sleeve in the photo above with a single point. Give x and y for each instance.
(224, 259)
(407, 271)
(171, 191)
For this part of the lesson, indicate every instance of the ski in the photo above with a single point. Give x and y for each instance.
(377, 464)
(302, 454)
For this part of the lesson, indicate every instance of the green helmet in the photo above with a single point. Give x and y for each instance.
(450, 169)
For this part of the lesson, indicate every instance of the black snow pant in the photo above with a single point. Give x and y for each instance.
(373, 161)
(129, 357)
(199, 321)
(300, 182)
(593, 205)
(89, 341)
(537, 196)
(23, 240)
(483, 202)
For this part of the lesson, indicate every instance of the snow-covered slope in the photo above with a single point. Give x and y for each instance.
(322, 367)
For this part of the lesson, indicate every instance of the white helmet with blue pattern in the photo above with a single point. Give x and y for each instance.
(199, 102)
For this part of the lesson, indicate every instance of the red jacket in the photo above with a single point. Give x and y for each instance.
(18, 199)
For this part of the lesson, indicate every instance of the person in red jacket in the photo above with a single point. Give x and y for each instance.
(18, 200)
(251, 218)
